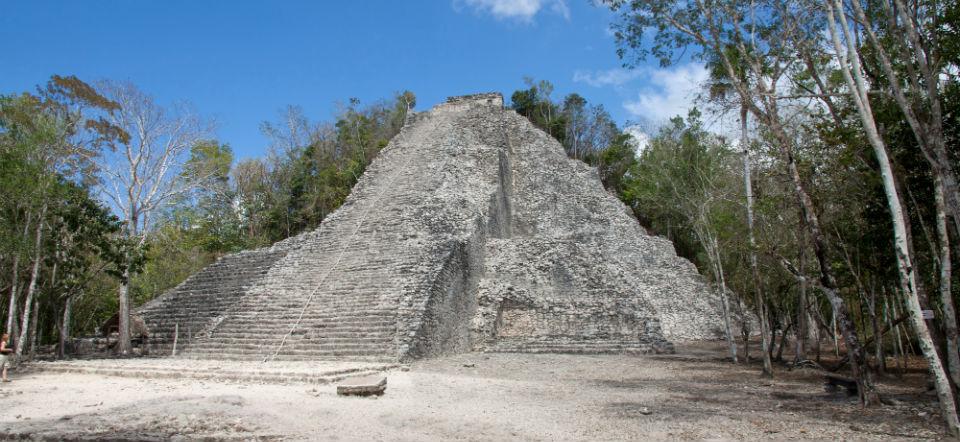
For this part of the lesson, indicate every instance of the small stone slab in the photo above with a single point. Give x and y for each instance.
(363, 386)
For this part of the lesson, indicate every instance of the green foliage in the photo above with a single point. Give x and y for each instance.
(260, 201)
(297, 188)
(615, 162)
(684, 186)
(587, 132)
(535, 104)
(47, 144)
(172, 255)
(774, 59)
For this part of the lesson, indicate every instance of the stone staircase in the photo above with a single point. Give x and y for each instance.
(205, 296)
(315, 306)
(336, 293)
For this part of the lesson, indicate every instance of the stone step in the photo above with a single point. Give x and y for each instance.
(289, 354)
(582, 346)
(286, 357)
(271, 327)
(241, 337)
(313, 341)
(255, 375)
(298, 334)
(291, 321)
(372, 312)
(290, 351)
(321, 313)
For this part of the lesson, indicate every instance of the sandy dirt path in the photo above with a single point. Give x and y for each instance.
(692, 395)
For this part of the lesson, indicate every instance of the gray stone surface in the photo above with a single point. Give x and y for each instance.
(470, 231)
(363, 386)
(276, 372)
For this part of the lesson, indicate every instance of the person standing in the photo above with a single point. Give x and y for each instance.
(5, 352)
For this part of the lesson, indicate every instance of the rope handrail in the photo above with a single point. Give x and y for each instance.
(330, 269)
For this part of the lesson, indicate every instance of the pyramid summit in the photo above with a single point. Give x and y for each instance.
(471, 231)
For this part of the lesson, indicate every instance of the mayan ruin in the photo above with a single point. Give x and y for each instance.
(480, 220)
(452, 241)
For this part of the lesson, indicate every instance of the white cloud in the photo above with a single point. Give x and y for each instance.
(639, 139)
(669, 92)
(611, 77)
(560, 8)
(520, 10)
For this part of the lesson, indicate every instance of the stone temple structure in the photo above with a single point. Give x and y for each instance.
(472, 231)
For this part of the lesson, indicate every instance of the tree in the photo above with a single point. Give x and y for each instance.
(47, 138)
(48, 144)
(685, 175)
(849, 62)
(905, 38)
(733, 34)
(142, 174)
(313, 166)
(535, 104)
(85, 235)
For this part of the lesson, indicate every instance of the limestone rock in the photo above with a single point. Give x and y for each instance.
(363, 386)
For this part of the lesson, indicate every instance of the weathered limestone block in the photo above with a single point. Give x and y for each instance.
(363, 386)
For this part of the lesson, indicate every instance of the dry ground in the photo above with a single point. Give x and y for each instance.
(691, 395)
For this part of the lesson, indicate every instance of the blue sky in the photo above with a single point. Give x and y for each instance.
(241, 62)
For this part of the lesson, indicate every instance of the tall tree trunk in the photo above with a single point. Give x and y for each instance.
(31, 289)
(758, 288)
(123, 340)
(905, 266)
(815, 318)
(922, 81)
(14, 290)
(14, 308)
(33, 330)
(827, 279)
(946, 297)
(725, 299)
(773, 335)
(800, 352)
(877, 334)
(124, 347)
(65, 326)
(783, 341)
(744, 330)
(834, 331)
(898, 342)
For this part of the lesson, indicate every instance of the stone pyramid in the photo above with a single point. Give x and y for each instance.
(472, 230)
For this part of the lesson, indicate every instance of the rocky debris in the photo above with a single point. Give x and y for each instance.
(363, 386)
(471, 230)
